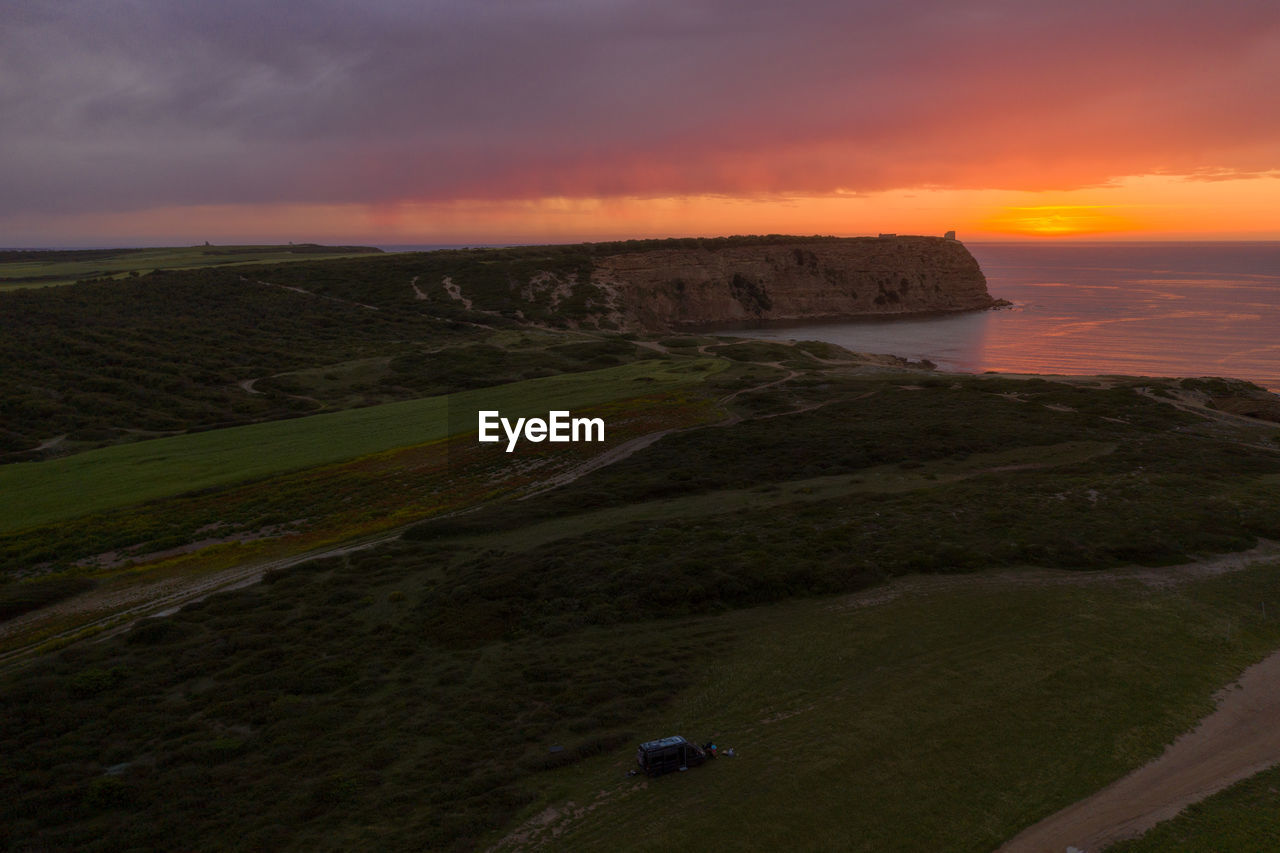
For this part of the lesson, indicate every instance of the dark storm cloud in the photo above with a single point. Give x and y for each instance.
(113, 105)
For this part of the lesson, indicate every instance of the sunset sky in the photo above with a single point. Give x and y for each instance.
(148, 122)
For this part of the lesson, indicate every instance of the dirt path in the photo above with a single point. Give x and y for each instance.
(635, 445)
(417, 291)
(776, 365)
(247, 385)
(1159, 578)
(1236, 741)
(455, 292)
(50, 443)
(615, 454)
(303, 290)
(128, 604)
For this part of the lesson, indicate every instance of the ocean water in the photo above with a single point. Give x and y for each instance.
(1152, 309)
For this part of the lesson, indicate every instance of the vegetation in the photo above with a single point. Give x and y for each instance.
(1246, 816)
(604, 611)
(836, 566)
(34, 494)
(44, 267)
(105, 361)
(217, 529)
(949, 718)
(19, 598)
(329, 709)
(166, 350)
(376, 736)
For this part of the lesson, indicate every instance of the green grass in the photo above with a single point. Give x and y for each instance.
(325, 710)
(54, 268)
(34, 493)
(944, 721)
(1245, 816)
(318, 506)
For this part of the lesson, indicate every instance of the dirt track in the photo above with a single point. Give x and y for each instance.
(1236, 741)
(120, 608)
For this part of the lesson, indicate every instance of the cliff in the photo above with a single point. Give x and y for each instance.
(836, 279)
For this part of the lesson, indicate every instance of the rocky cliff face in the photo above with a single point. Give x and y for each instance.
(665, 289)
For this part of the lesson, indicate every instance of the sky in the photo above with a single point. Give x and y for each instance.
(169, 122)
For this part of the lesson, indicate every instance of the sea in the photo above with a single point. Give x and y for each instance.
(1145, 309)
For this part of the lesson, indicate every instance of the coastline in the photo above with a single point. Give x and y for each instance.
(837, 319)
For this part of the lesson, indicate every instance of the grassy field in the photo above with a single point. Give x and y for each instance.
(326, 709)
(46, 268)
(943, 720)
(39, 493)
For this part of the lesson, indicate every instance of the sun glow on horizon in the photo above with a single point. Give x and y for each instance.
(1160, 207)
(1059, 220)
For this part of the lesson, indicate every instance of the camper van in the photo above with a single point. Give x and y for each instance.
(670, 753)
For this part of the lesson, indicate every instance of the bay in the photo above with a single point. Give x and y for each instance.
(1151, 309)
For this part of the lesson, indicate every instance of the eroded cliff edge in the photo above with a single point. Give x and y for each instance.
(720, 285)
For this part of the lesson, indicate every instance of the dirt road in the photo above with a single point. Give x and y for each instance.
(116, 610)
(1236, 741)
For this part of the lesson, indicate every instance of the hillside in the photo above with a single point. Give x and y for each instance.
(108, 361)
(309, 611)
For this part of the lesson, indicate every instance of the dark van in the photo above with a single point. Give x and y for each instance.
(670, 753)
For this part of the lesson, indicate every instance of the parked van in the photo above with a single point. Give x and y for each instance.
(670, 753)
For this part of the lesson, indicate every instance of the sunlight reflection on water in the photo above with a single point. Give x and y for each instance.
(1148, 309)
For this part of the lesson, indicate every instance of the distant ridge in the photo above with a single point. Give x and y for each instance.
(55, 255)
(44, 267)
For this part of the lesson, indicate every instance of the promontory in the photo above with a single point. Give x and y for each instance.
(743, 281)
